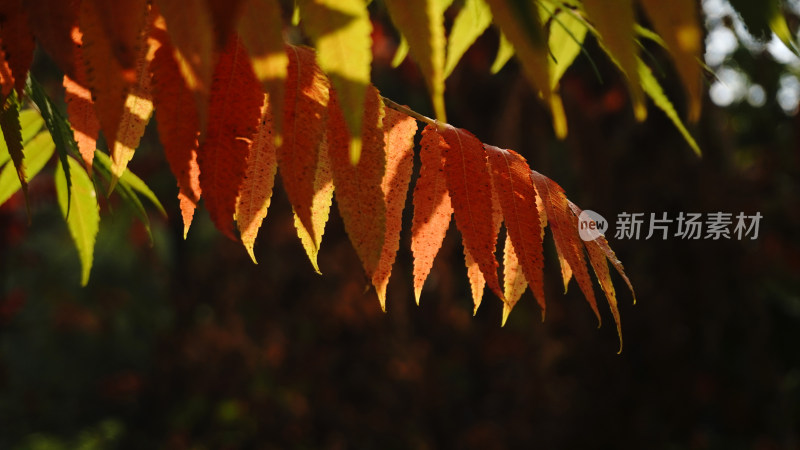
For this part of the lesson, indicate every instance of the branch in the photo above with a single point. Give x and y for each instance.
(408, 111)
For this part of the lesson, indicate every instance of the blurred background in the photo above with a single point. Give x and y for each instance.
(186, 344)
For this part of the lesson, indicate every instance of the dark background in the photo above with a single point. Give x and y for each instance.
(187, 344)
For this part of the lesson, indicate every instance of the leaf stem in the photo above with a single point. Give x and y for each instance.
(408, 111)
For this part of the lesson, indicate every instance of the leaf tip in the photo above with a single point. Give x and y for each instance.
(355, 150)
(506, 311)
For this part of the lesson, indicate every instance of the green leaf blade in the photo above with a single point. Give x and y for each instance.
(83, 219)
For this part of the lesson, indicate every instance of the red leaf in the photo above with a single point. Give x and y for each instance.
(52, 23)
(399, 131)
(17, 42)
(80, 106)
(511, 176)
(470, 187)
(432, 208)
(178, 128)
(256, 190)
(565, 233)
(477, 282)
(358, 187)
(234, 112)
(305, 114)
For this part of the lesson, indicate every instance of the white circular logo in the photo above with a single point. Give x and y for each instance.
(591, 225)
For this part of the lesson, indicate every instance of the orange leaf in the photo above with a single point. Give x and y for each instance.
(514, 282)
(17, 42)
(358, 187)
(234, 113)
(224, 14)
(470, 187)
(477, 282)
(565, 234)
(52, 23)
(191, 31)
(432, 208)
(305, 113)
(511, 176)
(6, 78)
(398, 132)
(256, 190)
(311, 238)
(178, 128)
(80, 106)
(104, 52)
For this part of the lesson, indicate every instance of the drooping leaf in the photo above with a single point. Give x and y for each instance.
(178, 127)
(260, 27)
(234, 113)
(52, 23)
(614, 23)
(255, 192)
(132, 182)
(17, 42)
(432, 207)
(102, 166)
(311, 237)
(678, 23)
(469, 184)
(477, 282)
(138, 107)
(505, 51)
(12, 134)
(84, 216)
(512, 181)
(38, 151)
(653, 89)
(401, 53)
(764, 16)
(398, 132)
(191, 32)
(565, 234)
(30, 123)
(110, 50)
(80, 107)
(305, 115)
(358, 187)
(341, 32)
(422, 23)
(514, 283)
(567, 33)
(472, 20)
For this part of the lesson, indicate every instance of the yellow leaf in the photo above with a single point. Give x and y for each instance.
(341, 32)
(505, 51)
(472, 20)
(401, 52)
(320, 207)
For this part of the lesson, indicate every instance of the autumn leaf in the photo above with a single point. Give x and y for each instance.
(514, 283)
(563, 225)
(505, 50)
(234, 113)
(178, 127)
(517, 195)
(469, 184)
(17, 42)
(422, 24)
(305, 114)
(311, 238)
(225, 15)
(358, 187)
(82, 215)
(80, 107)
(53, 23)
(255, 192)
(398, 132)
(477, 282)
(432, 207)
(341, 31)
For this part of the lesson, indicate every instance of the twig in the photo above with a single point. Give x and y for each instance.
(408, 111)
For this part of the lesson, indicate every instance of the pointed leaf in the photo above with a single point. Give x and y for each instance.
(512, 181)
(472, 20)
(38, 151)
(30, 122)
(432, 207)
(52, 23)
(132, 183)
(12, 135)
(305, 114)
(341, 32)
(84, 216)
(514, 283)
(469, 184)
(677, 22)
(401, 53)
(80, 107)
(505, 51)
(358, 187)
(477, 282)
(614, 23)
(563, 225)
(260, 27)
(398, 134)
(178, 127)
(653, 89)
(567, 33)
(234, 113)
(311, 237)
(17, 42)
(422, 23)
(102, 165)
(255, 192)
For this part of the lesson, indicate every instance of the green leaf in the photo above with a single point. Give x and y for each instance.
(102, 164)
(567, 33)
(401, 53)
(505, 51)
(132, 181)
(12, 135)
(656, 93)
(472, 20)
(83, 217)
(38, 151)
(31, 122)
